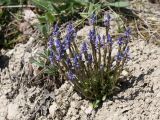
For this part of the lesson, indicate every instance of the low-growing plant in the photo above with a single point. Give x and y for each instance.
(9, 19)
(91, 66)
(65, 10)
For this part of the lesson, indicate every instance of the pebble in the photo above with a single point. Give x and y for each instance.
(53, 108)
(89, 110)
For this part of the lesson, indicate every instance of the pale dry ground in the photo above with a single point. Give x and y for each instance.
(138, 98)
(140, 101)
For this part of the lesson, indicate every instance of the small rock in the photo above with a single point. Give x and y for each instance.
(124, 73)
(53, 108)
(76, 117)
(13, 112)
(89, 110)
(158, 95)
(124, 118)
(76, 96)
(73, 104)
(110, 102)
(82, 108)
(148, 101)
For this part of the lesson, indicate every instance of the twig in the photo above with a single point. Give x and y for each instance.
(138, 30)
(18, 6)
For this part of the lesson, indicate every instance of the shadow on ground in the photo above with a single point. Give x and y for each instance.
(130, 83)
(4, 61)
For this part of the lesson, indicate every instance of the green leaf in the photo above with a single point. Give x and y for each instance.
(50, 17)
(104, 98)
(58, 1)
(96, 104)
(45, 54)
(119, 4)
(44, 4)
(97, 8)
(42, 19)
(91, 9)
(37, 62)
(51, 70)
(82, 2)
(44, 29)
(84, 15)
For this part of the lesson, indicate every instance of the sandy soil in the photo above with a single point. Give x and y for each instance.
(137, 99)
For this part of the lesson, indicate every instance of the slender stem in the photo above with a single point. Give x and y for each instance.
(104, 56)
(64, 64)
(70, 52)
(75, 46)
(94, 53)
(99, 50)
(105, 49)
(109, 57)
(18, 6)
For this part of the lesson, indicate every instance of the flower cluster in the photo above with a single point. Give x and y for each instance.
(93, 18)
(89, 66)
(107, 19)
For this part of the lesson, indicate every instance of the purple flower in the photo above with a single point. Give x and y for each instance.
(98, 37)
(92, 36)
(93, 18)
(50, 43)
(76, 61)
(58, 57)
(109, 39)
(126, 53)
(107, 19)
(79, 56)
(63, 50)
(128, 32)
(60, 48)
(120, 41)
(57, 43)
(89, 58)
(119, 56)
(56, 30)
(103, 40)
(71, 76)
(68, 62)
(67, 40)
(126, 50)
(84, 48)
(71, 33)
(70, 29)
(63, 47)
(98, 41)
(51, 56)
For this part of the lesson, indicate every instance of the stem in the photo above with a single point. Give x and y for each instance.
(64, 64)
(104, 56)
(61, 69)
(109, 58)
(75, 46)
(18, 6)
(94, 53)
(105, 49)
(99, 50)
(71, 53)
